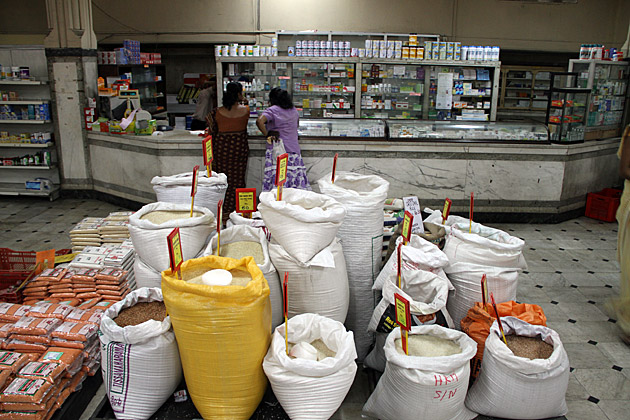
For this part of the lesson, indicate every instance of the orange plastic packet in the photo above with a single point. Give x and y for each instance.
(85, 274)
(75, 331)
(30, 407)
(5, 375)
(88, 304)
(26, 390)
(64, 295)
(49, 371)
(116, 287)
(87, 295)
(70, 302)
(12, 361)
(65, 356)
(80, 290)
(11, 312)
(88, 317)
(112, 274)
(35, 326)
(35, 290)
(50, 310)
(113, 292)
(5, 327)
(19, 345)
(77, 380)
(32, 357)
(52, 274)
(101, 306)
(60, 342)
(39, 339)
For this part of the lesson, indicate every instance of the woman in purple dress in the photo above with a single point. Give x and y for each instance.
(282, 118)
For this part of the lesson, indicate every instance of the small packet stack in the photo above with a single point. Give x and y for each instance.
(75, 335)
(84, 283)
(27, 398)
(92, 361)
(70, 359)
(32, 334)
(100, 306)
(114, 231)
(112, 284)
(86, 233)
(61, 288)
(85, 316)
(38, 288)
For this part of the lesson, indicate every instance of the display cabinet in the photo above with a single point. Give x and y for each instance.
(608, 82)
(148, 79)
(324, 90)
(525, 88)
(566, 109)
(332, 128)
(392, 90)
(460, 131)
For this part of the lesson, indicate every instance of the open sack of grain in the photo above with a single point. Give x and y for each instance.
(318, 286)
(429, 383)
(361, 234)
(478, 321)
(150, 226)
(140, 359)
(530, 384)
(241, 241)
(223, 333)
(303, 223)
(176, 189)
(311, 388)
(427, 294)
(486, 251)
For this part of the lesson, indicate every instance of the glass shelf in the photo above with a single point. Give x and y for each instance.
(468, 131)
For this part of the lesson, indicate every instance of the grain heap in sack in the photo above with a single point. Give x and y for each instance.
(149, 228)
(486, 251)
(176, 189)
(510, 386)
(361, 234)
(427, 294)
(141, 363)
(223, 333)
(303, 227)
(430, 382)
(252, 242)
(311, 389)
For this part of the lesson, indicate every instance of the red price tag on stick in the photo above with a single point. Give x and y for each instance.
(470, 216)
(193, 189)
(334, 167)
(219, 221)
(407, 226)
(281, 172)
(246, 201)
(285, 304)
(207, 154)
(403, 318)
(175, 251)
(446, 210)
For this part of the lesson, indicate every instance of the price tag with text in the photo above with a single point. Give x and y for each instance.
(447, 209)
(403, 318)
(407, 226)
(193, 190)
(175, 250)
(245, 200)
(334, 168)
(207, 151)
(281, 169)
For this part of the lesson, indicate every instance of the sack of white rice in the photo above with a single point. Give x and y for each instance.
(150, 226)
(176, 189)
(146, 276)
(303, 223)
(361, 234)
(241, 241)
(319, 286)
(527, 380)
(311, 386)
(140, 361)
(430, 382)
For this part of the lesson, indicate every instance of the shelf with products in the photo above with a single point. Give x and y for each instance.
(148, 79)
(328, 92)
(566, 109)
(608, 81)
(524, 88)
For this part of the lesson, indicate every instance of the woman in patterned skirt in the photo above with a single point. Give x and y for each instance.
(282, 117)
(229, 143)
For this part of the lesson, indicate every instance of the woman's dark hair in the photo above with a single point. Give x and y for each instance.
(281, 98)
(230, 96)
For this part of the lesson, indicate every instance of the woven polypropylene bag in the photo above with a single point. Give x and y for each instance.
(239, 233)
(319, 286)
(145, 276)
(223, 333)
(303, 222)
(149, 239)
(307, 389)
(176, 189)
(423, 387)
(140, 364)
(361, 234)
(513, 387)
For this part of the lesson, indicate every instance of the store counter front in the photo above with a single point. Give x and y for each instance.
(510, 171)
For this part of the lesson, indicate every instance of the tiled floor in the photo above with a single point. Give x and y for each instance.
(572, 272)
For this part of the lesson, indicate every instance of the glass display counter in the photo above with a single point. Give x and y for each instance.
(324, 90)
(468, 131)
(329, 128)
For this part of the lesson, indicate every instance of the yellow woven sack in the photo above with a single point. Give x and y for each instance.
(223, 333)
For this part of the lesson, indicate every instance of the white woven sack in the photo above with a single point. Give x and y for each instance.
(140, 364)
(307, 389)
(149, 239)
(514, 387)
(361, 235)
(304, 222)
(471, 255)
(435, 217)
(319, 286)
(423, 387)
(418, 254)
(238, 233)
(255, 221)
(145, 276)
(176, 189)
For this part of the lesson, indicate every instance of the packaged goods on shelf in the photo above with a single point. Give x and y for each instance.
(43, 158)
(307, 389)
(506, 383)
(236, 50)
(361, 233)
